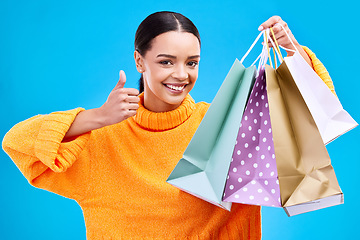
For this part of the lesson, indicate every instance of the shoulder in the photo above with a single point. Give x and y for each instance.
(204, 106)
(201, 108)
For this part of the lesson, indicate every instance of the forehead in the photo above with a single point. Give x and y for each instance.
(176, 43)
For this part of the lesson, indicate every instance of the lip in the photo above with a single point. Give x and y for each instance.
(175, 87)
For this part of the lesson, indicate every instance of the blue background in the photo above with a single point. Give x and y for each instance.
(58, 55)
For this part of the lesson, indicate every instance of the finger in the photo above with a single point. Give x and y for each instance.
(280, 26)
(133, 107)
(129, 91)
(122, 80)
(277, 35)
(280, 32)
(133, 99)
(285, 42)
(269, 23)
(130, 113)
(280, 41)
(270, 44)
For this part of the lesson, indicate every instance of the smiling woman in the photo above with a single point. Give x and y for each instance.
(114, 160)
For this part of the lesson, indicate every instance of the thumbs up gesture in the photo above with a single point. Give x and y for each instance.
(121, 104)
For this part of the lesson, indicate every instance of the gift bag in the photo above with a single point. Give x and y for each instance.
(306, 177)
(203, 169)
(253, 177)
(329, 115)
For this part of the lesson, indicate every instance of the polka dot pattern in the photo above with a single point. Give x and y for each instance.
(253, 177)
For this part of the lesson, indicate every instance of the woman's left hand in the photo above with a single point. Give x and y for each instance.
(282, 38)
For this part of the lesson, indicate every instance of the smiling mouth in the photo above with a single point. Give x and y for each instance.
(177, 88)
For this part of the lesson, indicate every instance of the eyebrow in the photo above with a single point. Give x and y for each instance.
(174, 57)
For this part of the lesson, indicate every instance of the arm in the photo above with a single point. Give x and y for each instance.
(121, 104)
(35, 145)
(51, 150)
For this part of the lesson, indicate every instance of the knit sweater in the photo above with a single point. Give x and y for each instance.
(320, 69)
(118, 173)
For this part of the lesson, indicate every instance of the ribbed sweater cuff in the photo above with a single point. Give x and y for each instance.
(320, 69)
(49, 148)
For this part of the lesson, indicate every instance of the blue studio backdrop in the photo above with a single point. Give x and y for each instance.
(59, 55)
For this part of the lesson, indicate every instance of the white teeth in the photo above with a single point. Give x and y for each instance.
(177, 88)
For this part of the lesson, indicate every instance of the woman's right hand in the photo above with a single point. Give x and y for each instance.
(121, 104)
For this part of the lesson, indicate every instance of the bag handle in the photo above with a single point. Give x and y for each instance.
(276, 45)
(292, 43)
(266, 43)
(251, 47)
(276, 48)
(266, 49)
(263, 56)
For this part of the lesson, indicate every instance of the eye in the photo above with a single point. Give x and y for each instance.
(166, 63)
(193, 63)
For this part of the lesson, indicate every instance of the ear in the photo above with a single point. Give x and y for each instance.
(139, 62)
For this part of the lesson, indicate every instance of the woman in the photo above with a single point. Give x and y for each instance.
(114, 160)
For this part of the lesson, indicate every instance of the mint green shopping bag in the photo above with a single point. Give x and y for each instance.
(203, 169)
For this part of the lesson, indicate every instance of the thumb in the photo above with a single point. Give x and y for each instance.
(122, 79)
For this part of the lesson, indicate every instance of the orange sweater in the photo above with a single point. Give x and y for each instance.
(320, 69)
(118, 175)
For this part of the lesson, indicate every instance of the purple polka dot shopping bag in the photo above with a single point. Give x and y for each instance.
(253, 177)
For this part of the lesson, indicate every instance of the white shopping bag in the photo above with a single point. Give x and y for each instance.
(329, 115)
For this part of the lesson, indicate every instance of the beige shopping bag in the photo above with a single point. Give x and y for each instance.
(306, 177)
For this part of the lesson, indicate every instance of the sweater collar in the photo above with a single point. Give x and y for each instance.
(160, 121)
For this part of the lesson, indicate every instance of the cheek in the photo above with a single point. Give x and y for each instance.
(194, 76)
(160, 74)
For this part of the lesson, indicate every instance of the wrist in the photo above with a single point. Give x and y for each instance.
(291, 46)
(97, 118)
(84, 122)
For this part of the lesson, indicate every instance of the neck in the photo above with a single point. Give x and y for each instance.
(157, 105)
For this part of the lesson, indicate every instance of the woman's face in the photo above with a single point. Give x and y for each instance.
(170, 69)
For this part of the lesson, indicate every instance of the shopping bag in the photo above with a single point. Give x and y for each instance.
(328, 113)
(306, 177)
(203, 169)
(279, 143)
(253, 177)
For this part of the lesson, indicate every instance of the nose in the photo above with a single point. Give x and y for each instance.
(180, 73)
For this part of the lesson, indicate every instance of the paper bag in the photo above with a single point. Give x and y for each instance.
(204, 167)
(307, 179)
(329, 115)
(253, 177)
